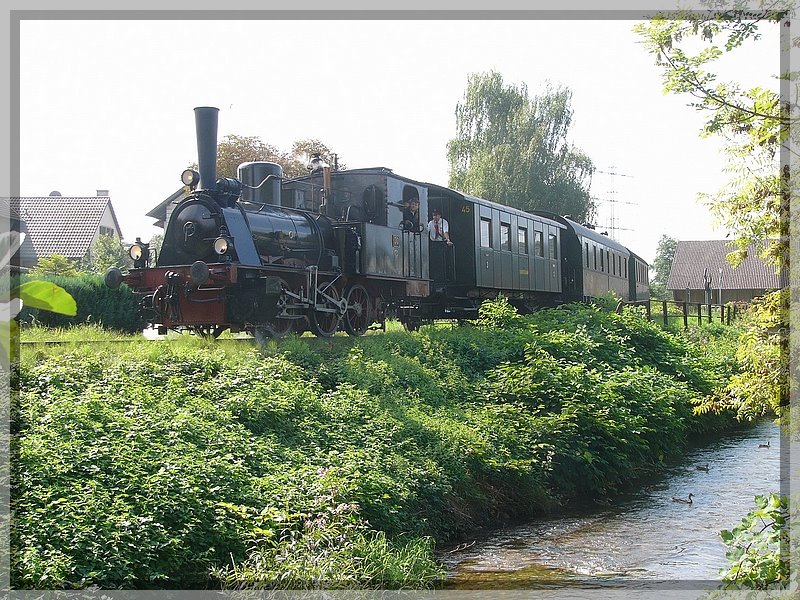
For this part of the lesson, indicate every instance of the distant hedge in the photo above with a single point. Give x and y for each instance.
(97, 304)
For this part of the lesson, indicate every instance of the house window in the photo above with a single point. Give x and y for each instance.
(522, 239)
(106, 231)
(552, 249)
(505, 236)
(486, 233)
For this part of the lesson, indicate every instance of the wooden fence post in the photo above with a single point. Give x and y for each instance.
(699, 314)
(664, 309)
(709, 312)
(686, 314)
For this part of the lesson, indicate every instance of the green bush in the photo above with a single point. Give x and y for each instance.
(97, 304)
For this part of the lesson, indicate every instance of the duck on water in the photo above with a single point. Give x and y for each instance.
(684, 500)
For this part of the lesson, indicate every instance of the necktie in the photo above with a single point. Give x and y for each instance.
(436, 226)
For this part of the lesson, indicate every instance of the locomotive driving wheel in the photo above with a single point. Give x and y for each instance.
(357, 317)
(325, 322)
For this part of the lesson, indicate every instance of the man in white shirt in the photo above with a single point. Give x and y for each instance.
(438, 228)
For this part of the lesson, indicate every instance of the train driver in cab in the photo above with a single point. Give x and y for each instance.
(411, 215)
(438, 228)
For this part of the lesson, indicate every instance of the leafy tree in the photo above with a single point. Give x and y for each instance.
(662, 265)
(234, 150)
(512, 148)
(107, 251)
(155, 244)
(753, 122)
(55, 264)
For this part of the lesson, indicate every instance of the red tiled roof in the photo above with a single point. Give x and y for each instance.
(61, 224)
(692, 258)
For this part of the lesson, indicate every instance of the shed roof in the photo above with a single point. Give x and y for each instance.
(63, 224)
(692, 258)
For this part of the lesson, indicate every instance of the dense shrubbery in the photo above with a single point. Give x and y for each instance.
(189, 464)
(97, 304)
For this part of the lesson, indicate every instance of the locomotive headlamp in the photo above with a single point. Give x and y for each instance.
(136, 251)
(140, 253)
(221, 245)
(190, 177)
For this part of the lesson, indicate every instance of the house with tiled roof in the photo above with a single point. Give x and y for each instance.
(66, 225)
(700, 267)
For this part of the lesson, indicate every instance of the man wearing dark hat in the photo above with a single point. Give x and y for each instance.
(411, 215)
(438, 229)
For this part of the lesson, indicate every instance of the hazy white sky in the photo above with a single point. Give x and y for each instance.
(108, 104)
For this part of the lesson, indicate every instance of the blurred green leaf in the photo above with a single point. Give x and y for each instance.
(47, 296)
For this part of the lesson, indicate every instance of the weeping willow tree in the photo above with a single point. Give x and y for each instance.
(512, 148)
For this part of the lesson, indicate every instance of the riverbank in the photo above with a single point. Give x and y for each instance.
(622, 543)
(336, 463)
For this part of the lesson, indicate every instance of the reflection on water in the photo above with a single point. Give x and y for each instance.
(643, 535)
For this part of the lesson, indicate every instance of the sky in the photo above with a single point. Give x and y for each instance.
(108, 105)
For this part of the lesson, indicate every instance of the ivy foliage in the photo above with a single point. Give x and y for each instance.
(758, 546)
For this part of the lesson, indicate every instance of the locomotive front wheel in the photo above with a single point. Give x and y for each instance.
(358, 317)
(275, 327)
(209, 332)
(325, 323)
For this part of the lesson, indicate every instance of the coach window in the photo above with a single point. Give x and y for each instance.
(594, 255)
(602, 261)
(608, 261)
(552, 249)
(538, 247)
(522, 239)
(505, 236)
(586, 244)
(626, 265)
(486, 233)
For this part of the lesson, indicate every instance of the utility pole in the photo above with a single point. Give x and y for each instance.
(612, 201)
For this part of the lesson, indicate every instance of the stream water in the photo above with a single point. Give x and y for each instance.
(643, 536)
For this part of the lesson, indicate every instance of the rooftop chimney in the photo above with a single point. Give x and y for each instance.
(102, 193)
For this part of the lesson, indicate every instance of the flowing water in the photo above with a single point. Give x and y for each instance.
(642, 536)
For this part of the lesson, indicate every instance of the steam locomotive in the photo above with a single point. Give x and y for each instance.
(332, 250)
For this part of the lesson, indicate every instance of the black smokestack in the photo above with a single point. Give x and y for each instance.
(206, 119)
